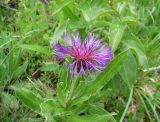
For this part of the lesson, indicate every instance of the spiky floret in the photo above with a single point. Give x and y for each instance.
(88, 55)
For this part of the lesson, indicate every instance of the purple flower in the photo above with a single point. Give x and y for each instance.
(89, 55)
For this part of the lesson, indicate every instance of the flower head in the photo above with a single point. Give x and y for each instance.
(88, 55)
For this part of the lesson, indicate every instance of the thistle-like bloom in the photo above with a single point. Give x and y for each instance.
(87, 56)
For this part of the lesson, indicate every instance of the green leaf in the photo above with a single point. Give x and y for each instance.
(59, 31)
(102, 95)
(9, 100)
(128, 71)
(100, 23)
(117, 86)
(153, 45)
(28, 119)
(144, 104)
(61, 5)
(74, 25)
(131, 21)
(68, 12)
(51, 108)
(92, 9)
(91, 118)
(116, 32)
(49, 66)
(127, 105)
(134, 43)
(103, 78)
(47, 109)
(97, 109)
(37, 48)
(20, 70)
(28, 98)
(63, 85)
(151, 104)
(79, 95)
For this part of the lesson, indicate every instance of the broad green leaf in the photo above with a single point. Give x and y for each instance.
(61, 5)
(61, 93)
(100, 23)
(37, 48)
(49, 66)
(133, 43)
(79, 95)
(117, 86)
(63, 86)
(103, 78)
(51, 108)
(68, 12)
(92, 9)
(128, 71)
(20, 70)
(97, 109)
(75, 25)
(116, 32)
(102, 95)
(91, 118)
(28, 98)
(48, 109)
